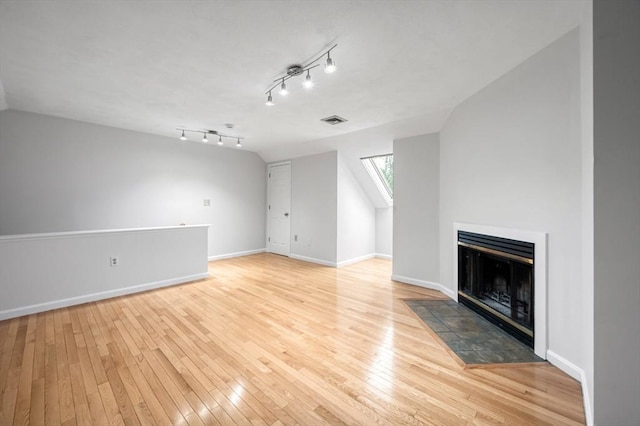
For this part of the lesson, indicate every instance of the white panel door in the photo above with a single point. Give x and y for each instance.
(278, 210)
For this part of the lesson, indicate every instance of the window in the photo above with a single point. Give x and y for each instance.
(380, 168)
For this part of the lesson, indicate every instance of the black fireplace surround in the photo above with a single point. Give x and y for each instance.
(495, 279)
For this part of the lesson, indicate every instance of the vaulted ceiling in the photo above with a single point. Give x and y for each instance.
(153, 66)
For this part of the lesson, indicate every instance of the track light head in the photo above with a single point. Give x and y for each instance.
(238, 144)
(204, 137)
(330, 65)
(269, 100)
(308, 83)
(283, 89)
(183, 137)
(220, 141)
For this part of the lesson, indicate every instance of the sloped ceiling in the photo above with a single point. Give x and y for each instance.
(152, 66)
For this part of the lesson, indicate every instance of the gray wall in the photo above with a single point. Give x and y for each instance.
(616, 28)
(415, 208)
(356, 223)
(384, 231)
(314, 186)
(511, 157)
(330, 213)
(62, 175)
(586, 136)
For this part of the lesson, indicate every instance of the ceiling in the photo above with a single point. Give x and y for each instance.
(153, 66)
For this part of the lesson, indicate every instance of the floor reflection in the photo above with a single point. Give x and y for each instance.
(236, 395)
(381, 370)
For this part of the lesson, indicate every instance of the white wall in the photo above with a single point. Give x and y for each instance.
(616, 28)
(39, 272)
(356, 223)
(62, 175)
(415, 210)
(314, 186)
(510, 156)
(384, 232)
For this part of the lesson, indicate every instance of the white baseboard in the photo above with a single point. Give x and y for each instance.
(577, 373)
(313, 260)
(332, 264)
(567, 366)
(355, 260)
(63, 303)
(384, 256)
(425, 284)
(237, 254)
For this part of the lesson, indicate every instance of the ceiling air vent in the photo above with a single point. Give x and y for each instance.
(333, 120)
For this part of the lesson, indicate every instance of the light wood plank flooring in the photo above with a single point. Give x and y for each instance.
(266, 340)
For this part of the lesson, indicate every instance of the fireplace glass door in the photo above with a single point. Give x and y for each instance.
(502, 284)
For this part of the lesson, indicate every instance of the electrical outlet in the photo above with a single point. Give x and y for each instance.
(206, 202)
(114, 261)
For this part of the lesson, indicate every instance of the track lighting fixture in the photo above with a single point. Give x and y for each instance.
(206, 133)
(295, 70)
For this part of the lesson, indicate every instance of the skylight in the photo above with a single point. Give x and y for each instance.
(380, 168)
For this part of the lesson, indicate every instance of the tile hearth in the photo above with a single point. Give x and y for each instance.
(473, 338)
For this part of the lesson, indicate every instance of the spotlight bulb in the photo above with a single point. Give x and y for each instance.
(220, 141)
(238, 145)
(183, 137)
(269, 100)
(308, 83)
(330, 66)
(204, 138)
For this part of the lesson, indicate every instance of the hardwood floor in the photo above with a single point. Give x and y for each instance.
(266, 340)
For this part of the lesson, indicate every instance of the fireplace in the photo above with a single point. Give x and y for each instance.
(496, 279)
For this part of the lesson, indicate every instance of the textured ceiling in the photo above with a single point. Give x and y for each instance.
(152, 66)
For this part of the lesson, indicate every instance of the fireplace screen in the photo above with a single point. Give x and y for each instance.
(495, 278)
